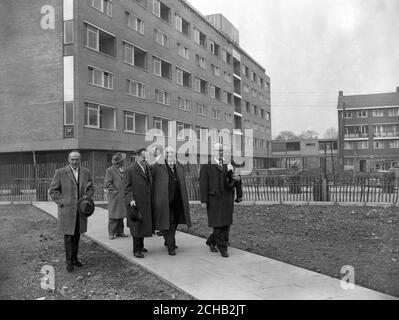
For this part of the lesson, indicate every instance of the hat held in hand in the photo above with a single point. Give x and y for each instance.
(85, 205)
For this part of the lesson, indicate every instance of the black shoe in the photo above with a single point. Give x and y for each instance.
(77, 264)
(172, 252)
(239, 200)
(176, 247)
(144, 250)
(69, 268)
(224, 254)
(212, 248)
(139, 255)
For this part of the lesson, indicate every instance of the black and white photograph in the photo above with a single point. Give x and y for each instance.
(199, 155)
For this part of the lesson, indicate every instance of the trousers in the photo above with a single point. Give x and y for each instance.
(71, 243)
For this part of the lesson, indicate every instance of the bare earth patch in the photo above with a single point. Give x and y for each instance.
(28, 241)
(319, 238)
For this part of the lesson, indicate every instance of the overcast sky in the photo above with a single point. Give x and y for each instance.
(312, 49)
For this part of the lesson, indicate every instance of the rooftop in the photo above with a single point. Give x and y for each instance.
(369, 100)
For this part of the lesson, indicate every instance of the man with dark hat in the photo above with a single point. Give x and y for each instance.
(70, 184)
(117, 209)
(171, 206)
(137, 184)
(217, 187)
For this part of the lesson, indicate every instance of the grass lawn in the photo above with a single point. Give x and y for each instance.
(28, 241)
(322, 239)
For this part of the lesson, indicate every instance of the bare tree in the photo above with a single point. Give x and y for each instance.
(309, 134)
(286, 135)
(331, 133)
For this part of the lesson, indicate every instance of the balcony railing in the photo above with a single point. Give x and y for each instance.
(386, 134)
(356, 135)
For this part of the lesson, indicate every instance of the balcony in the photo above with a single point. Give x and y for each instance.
(237, 105)
(388, 134)
(356, 136)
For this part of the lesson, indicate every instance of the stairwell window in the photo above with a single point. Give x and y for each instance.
(105, 6)
(135, 23)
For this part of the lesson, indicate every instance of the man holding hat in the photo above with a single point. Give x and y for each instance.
(113, 182)
(217, 187)
(69, 185)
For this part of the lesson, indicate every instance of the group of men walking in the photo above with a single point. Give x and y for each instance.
(156, 192)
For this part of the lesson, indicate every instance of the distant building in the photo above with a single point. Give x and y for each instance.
(305, 153)
(369, 130)
(96, 74)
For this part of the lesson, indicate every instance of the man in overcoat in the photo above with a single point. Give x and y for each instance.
(171, 206)
(137, 183)
(117, 209)
(217, 196)
(69, 184)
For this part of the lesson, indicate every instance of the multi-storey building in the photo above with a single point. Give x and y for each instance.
(97, 74)
(369, 130)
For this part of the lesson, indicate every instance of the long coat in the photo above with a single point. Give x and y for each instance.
(64, 192)
(160, 177)
(138, 187)
(218, 193)
(113, 182)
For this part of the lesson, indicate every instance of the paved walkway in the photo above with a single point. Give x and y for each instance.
(206, 275)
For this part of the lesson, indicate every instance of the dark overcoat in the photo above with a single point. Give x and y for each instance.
(113, 182)
(218, 193)
(64, 192)
(138, 187)
(160, 177)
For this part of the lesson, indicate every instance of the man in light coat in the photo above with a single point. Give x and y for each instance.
(69, 184)
(117, 209)
(171, 206)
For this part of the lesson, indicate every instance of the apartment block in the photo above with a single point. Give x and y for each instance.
(369, 131)
(95, 75)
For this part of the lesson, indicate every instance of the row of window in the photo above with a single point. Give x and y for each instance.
(386, 112)
(380, 130)
(105, 79)
(182, 25)
(363, 145)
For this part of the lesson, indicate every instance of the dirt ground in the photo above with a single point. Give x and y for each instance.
(322, 239)
(28, 241)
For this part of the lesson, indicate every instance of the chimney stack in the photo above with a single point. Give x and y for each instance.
(341, 93)
(397, 89)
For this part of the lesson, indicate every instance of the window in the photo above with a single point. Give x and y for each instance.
(362, 145)
(183, 25)
(184, 104)
(348, 145)
(68, 114)
(199, 38)
(378, 113)
(162, 97)
(362, 114)
(247, 107)
(268, 116)
(100, 41)
(183, 51)
(161, 38)
(214, 48)
(162, 68)
(226, 56)
(347, 115)
(262, 113)
(228, 117)
(245, 88)
(215, 114)
(183, 77)
(228, 77)
(161, 10)
(202, 134)
(254, 93)
(379, 145)
(163, 126)
(100, 117)
(135, 23)
(135, 56)
(200, 85)
(227, 97)
(135, 88)
(394, 144)
(394, 112)
(135, 122)
(183, 131)
(68, 32)
(104, 6)
(215, 70)
(201, 62)
(256, 110)
(101, 78)
(202, 109)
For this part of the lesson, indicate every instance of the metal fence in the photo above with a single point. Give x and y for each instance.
(30, 183)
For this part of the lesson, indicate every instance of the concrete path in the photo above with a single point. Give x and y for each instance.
(206, 275)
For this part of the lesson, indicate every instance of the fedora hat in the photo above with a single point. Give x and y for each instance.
(118, 157)
(85, 206)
